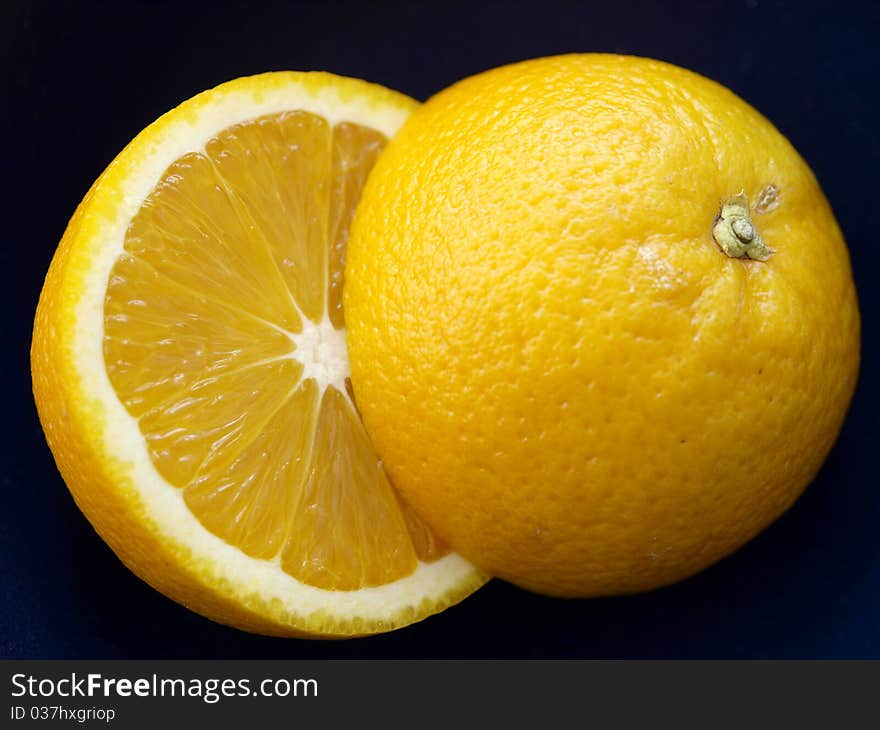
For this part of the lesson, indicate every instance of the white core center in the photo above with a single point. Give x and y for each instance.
(320, 349)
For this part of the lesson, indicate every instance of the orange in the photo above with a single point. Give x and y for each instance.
(191, 374)
(602, 324)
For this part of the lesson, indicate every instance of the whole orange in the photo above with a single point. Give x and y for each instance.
(602, 324)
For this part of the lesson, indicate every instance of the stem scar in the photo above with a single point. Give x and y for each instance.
(735, 232)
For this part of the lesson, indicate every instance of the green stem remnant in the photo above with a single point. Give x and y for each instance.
(735, 232)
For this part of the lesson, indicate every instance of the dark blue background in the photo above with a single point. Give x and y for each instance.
(81, 79)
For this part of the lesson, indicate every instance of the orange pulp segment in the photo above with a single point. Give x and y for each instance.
(224, 338)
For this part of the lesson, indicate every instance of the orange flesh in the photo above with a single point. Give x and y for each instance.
(230, 252)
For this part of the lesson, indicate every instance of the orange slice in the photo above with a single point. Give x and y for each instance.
(191, 372)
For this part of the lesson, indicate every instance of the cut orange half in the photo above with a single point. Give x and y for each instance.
(191, 375)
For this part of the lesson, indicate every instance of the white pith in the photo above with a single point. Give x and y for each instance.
(319, 347)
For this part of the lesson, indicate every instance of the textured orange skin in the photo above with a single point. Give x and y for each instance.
(561, 370)
(74, 424)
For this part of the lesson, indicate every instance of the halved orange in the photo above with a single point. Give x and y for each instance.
(191, 375)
